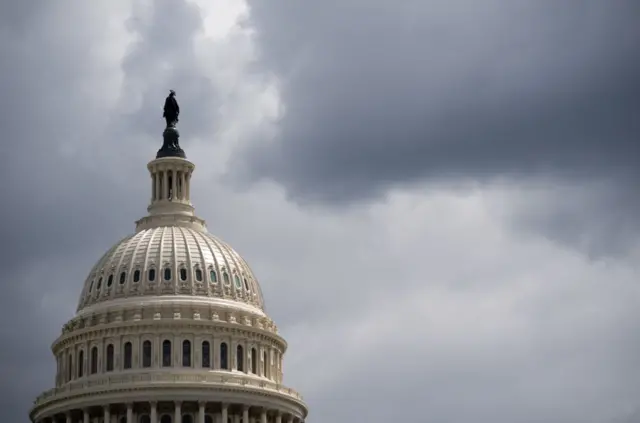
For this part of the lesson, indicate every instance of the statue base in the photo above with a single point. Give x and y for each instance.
(171, 147)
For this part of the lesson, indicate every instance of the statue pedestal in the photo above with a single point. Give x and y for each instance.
(171, 146)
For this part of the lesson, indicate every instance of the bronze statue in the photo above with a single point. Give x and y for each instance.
(170, 146)
(171, 109)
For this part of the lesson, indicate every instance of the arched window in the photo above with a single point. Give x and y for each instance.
(167, 274)
(246, 285)
(198, 275)
(123, 277)
(70, 368)
(94, 360)
(213, 276)
(110, 357)
(166, 353)
(187, 418)
(225, 277)
(254, 360)
(128, 355)
(240, 358)
(110, 280)
(206, 354)
(152, 275)
(183, 274)
(224, 359)
(91, 286)
(99, 283)
(165, 419)
(236, 279)
(136, 277)
(265, 366)
(81, 363)
(146, 354)
(186, 353)
(208, 419)
(145, 419)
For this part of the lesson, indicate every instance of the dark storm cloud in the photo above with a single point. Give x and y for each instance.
(380, 93)
(73, 179)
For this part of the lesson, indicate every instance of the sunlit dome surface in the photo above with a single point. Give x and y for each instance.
(169, 261)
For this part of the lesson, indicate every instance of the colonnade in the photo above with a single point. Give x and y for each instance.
(172, 412)
(170, 184)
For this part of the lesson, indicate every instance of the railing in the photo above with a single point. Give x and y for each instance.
(152, 378)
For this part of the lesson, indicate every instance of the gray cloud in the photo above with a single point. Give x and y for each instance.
(485, 322)
(379, 95)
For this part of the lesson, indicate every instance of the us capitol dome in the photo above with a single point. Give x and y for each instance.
(170, 326)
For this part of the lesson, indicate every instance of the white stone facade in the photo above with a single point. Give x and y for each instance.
(170, 328)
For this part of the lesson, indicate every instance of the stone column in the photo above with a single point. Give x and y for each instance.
(129, 413)
(153, 186)
(69, 417)
(245, 414)
(183, 186)
(85, 417)
(188, 186)
(107, 414)
(290, 419)
(165, 185)
(156, 184)
(174, 186)
(225, 413)
(279, 417)
(154, 412)
(236, 418)
(263, 416)
(178, 413)
(201, 405)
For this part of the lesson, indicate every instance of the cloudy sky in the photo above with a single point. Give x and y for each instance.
(440, 198)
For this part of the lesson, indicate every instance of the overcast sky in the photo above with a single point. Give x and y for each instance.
(440, 199)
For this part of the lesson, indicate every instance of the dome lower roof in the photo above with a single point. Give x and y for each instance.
(171, 261)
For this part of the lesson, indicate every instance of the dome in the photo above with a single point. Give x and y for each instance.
(170, 328)
(170, 261)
